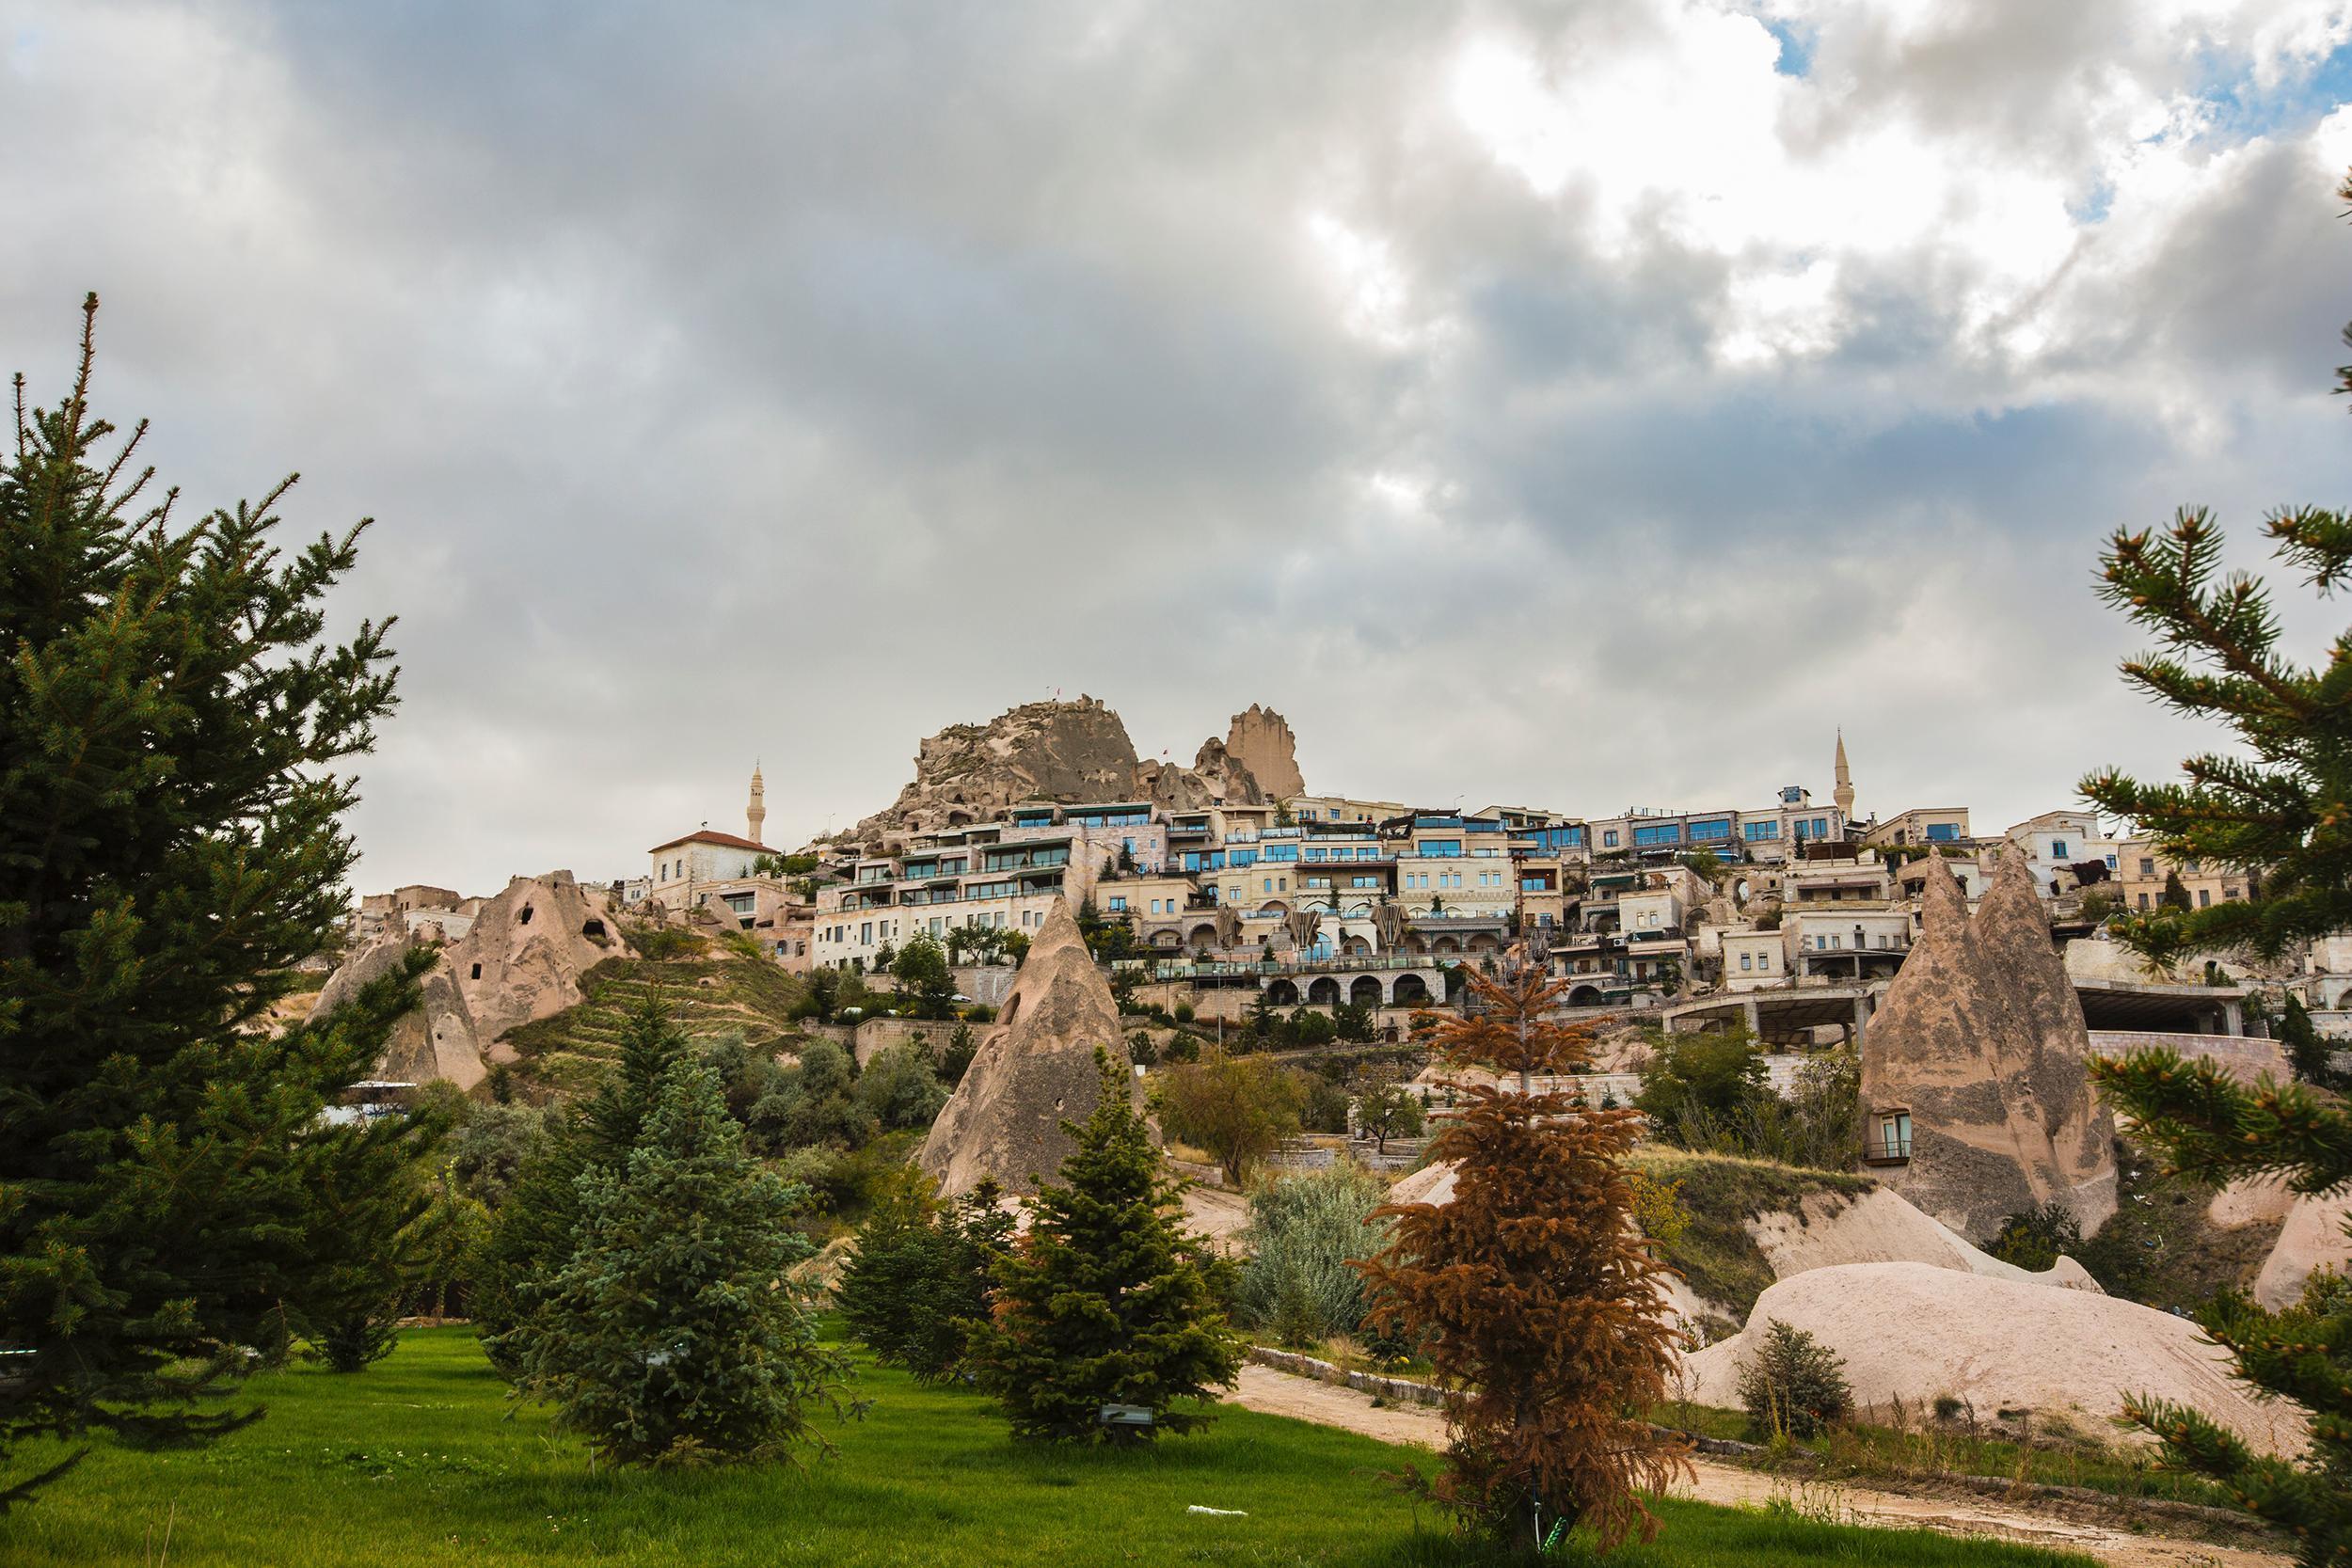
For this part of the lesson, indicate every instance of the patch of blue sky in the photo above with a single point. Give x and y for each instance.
(2242, 109)
(1796, 46)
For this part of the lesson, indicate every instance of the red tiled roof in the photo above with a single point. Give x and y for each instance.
(706, 835)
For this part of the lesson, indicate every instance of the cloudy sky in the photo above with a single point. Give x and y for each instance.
(1580, 405)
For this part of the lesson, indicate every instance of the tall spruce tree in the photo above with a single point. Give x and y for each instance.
(671, 1337)
(536, 1230)
(1531, 1293)
(172, 716)
(2279, 809)
(919, 1284)
(1107, 1300)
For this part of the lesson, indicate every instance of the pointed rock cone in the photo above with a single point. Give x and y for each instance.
(2044, 1063)
(1034, 1071)
(1969, 1041)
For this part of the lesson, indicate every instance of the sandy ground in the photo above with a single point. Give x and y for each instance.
(1281, 1394)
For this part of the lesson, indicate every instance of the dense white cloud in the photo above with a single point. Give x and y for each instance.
(1576, 405)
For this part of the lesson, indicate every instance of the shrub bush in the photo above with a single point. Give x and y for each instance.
(1304, 1230)
(1793, 1383)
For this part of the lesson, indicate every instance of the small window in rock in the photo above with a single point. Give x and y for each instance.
(477, 971)
(524, 918)
(593, 929)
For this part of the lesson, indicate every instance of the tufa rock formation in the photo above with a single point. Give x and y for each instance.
(1981, 1039)
(1037, 752)
(1260, 739)
(1068, 752)
(520, 960)
(1034, 1071)
(1907, 1330)
(1215, 778)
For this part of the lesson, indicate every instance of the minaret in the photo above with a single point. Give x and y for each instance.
(1843, 794)
(755, 814)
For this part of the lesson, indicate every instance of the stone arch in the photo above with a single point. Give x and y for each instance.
(1274, 907)
(1584, 996)
(1203, 935)
(1410, 991)
(1445, 945)
(1170, 939)
(593, 929)
(1323, 991)
(1365, 991)
(1282, 993)
(959, 819)
(1354, 945)
(1485, 942)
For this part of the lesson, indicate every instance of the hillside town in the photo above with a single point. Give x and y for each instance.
(1549, 1037)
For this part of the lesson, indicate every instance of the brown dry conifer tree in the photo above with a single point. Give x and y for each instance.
(1534, 1295)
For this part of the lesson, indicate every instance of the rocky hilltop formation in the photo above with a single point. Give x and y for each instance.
(519, 961)
(1074, 752)
(1981, 1040)
(1259, 740)
(1033, 1070)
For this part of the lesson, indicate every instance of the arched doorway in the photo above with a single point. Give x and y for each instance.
(1324, 992)
(1365, 991)
(1282, 993)
(1411, 990)
(1584, 996)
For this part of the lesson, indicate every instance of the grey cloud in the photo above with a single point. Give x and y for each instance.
(794, 381)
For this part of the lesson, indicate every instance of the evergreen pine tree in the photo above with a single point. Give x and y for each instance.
(918, 1283)
(537, 1228)
(670, 1336)
(1107, 1300)
(1531, 1293)
(2310, 1055)
(2273, 807)
(172, 717)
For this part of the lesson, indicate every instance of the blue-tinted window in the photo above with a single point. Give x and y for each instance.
(1943, 833)
(1758, 830)
(1658, 832)
(1714, 831)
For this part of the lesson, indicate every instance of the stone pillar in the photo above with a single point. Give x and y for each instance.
(1861, 1016)
(1756, 1017)
(2232, 1017)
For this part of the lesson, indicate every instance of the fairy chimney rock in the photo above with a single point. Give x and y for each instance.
(1033, 1070)
(1981, 1040)
(1260, 740)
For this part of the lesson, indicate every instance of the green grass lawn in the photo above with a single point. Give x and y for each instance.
(416, 1461)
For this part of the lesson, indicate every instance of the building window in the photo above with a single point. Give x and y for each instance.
(1893, 1141)
(2147, 866)
(2204, 897)
(1746, 962)
(1609, 838)
(2057, 848)
(2143, 900)
(1943, 833)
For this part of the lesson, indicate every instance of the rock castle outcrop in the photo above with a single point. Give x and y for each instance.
(1033, 1070)
(1260, 739)
(520, 960)
(1981, 1040)
(1068, 751)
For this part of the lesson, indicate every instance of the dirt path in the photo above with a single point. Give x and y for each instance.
(1282, 1394)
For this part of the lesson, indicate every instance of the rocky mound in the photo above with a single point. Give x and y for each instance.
(1259, 740)
(1880, 1227)
(1066, 752)
(1981, 1040)
(1033, 1070)
(2313, 1238)
(1912, 1332)
(520, 960)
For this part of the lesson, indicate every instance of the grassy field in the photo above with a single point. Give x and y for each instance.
(418, 1461)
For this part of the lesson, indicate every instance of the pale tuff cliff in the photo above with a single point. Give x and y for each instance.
(1259, 740)
(1068, 752)
(1981, 1040)
(520, 960)
(1034, 1071)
